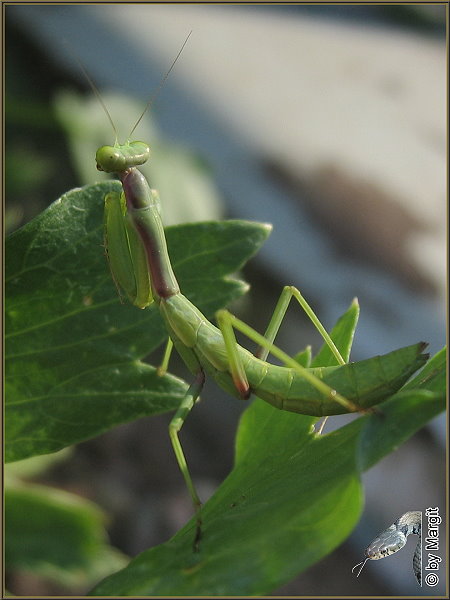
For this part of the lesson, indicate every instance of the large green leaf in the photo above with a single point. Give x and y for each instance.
(405, 412)
(292, 497)
(73, 351)
(56, 534)
(74, 369)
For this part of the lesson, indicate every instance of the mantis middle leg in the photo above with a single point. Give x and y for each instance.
(162, 369)
(175, 425)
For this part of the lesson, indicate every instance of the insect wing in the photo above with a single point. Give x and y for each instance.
(126, 254)
(141, 269)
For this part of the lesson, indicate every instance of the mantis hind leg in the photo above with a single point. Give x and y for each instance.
(227, 322)
(276, 320)
(175, 425)
(286, 296)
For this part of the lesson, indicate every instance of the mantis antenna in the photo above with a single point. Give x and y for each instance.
(158, 89)
(149, 103)
(97, 93)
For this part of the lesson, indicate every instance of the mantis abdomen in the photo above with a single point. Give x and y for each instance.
(364, 383)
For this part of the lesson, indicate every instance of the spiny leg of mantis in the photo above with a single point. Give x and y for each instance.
(227, 322)
(286, 296)
(175, 425)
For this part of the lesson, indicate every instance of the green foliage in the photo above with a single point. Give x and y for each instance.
(56, 534)
(73, 351)
(406, 412)
(53, 533)
(292, 497)
(74, 369)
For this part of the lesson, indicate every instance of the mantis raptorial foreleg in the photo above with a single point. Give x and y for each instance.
(227, 322)
(286, 296)
(175, 425)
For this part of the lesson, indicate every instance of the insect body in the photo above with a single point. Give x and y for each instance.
(214, 350)
(394, 538)
(140, 264)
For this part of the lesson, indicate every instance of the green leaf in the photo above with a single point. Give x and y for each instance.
(74, 369)
(35, 466)
(401, 416)
(404, 413)
(433, 376)
(304, 357)
(73, 351)
(77, 554)
(292, 497)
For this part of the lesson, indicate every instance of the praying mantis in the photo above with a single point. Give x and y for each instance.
(140, 265)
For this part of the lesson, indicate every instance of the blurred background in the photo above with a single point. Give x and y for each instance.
(328, 122)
